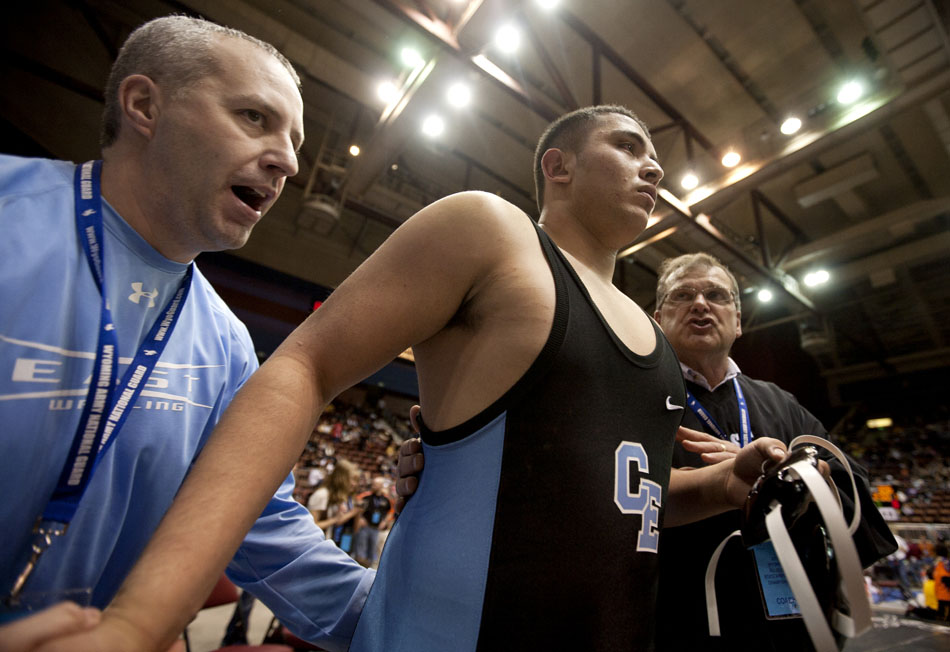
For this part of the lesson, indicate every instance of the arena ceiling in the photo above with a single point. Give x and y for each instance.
(861, 190)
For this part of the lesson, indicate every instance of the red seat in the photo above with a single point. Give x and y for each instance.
(225, 592)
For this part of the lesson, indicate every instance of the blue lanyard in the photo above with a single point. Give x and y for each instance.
(107, 405)
(744, 426)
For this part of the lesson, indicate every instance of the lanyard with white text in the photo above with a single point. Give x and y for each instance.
(106, 406)
(707, 419)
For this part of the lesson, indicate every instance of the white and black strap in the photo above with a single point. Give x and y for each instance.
(851, 586)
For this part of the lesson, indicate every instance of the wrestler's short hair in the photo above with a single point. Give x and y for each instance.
(569, 132)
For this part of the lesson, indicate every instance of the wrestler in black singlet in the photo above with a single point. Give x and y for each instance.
(535, 523)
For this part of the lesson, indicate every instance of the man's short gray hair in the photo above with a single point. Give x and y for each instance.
(173, 50)
(672, 268)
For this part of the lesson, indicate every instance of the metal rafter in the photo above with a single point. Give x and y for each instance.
(604, 50)
(49, 74)
(96, 25)
(567, 97)
(728, 61)
(889, 107)
(710, 231)
(448, 40)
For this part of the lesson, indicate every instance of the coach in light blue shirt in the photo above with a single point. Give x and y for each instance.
(187, 168)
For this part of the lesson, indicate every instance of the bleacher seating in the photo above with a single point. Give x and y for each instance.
(355, 433)
(912, 459)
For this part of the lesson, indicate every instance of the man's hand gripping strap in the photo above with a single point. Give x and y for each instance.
(851, 585)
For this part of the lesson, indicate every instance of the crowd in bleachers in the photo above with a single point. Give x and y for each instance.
(368, 437)
(908, 469)
(908, 463)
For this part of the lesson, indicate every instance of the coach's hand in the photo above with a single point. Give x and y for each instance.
(410, 463)
(748, 465)
(32, 631)
(711, 449)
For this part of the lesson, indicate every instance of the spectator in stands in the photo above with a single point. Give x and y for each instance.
(333, 506)
(942, 581)
(377, 515)
(929, 610)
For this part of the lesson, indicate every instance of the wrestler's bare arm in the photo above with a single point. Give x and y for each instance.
(451, 254)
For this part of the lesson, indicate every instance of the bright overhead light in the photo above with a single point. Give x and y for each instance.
(433, 126)
(764, 295)
(790, 126)
(882, 422)
(459, 95)
(387, 91)
(731, 159)
(508, 38)
(817, 277)
(850, 92)
(689, 181)
(411, 57)
(354, 150)
(548, 4)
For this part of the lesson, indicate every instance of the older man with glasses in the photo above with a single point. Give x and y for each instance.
(698, 308)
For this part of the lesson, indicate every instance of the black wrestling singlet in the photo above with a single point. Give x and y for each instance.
(535, 525)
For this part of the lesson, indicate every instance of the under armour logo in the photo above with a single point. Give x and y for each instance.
(88, 212)
(139, 293)
(150, 352)
(670, 406)
(110, 327)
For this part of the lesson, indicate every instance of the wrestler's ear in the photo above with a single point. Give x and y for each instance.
(557, 165)
(140, 101)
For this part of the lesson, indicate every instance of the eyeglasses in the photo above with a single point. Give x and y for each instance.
(686, 294)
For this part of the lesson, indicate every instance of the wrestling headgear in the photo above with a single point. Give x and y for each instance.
(794, 508)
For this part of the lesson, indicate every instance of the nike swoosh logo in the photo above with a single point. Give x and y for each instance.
(670, 406)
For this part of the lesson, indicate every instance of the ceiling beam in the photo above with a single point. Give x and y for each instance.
(834, 181)
(396, 127)
(46, 73)
(603, 49)
(934, 246)
(904, 217)
(804, 149)
(702, 224)
(484, 169)
(567, 97)
(728, 61)
(471, 7)
(919, 361)
(778, 214)
(448, 40)
(96, 25)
